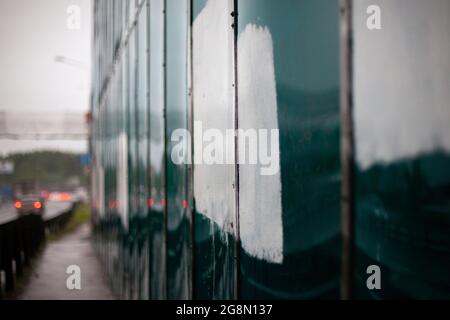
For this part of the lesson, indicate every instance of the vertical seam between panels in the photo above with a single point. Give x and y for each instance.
(136, 158)
(149, 182)
(347, 150)
(237, 242)
(164, 81)
(191, 206)
(127, 117)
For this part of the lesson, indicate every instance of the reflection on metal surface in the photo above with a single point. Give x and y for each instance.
(122, 178)
(278, 236)
(157, 235)
(214, 191)
(402, 116)
(178, 218)
(305, 63)
(142, 190)
(402, 88)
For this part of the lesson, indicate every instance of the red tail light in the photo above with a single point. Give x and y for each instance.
(64, 196)
(18, 204)
(37, 205)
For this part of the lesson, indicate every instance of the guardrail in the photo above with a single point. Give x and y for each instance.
(20, 239)
(56, 223)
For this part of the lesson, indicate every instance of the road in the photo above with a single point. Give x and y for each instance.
(52, 209)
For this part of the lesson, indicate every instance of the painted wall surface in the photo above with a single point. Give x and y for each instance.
(402, 137)
(214, 184)
(288, 79)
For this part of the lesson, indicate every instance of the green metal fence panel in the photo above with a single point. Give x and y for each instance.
(178, 217)
(288, 79)
(143, 143)
(156, 202)
(214, 184)
(402, 140)
(132, 165)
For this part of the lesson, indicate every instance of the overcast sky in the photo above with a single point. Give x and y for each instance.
(32, 34)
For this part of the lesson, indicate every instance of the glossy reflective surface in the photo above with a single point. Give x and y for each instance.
(287, 222)
(178, 218)
(402, 117)
(301, 83)
(156, 201)
(214, 191)
(132, 165)
(143, 156)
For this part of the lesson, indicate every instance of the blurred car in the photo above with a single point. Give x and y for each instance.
(29, 204)
(60, 196)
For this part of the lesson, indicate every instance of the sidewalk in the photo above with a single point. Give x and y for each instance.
(48, 278)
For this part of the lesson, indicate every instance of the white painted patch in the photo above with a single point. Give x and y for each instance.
(122, 178)
(261, 226)
(402, 81)
(214, 106)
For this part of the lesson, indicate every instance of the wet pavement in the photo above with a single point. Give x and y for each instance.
(48, 277)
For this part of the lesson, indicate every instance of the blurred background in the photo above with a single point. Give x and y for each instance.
(44, 94)
(45, 60)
